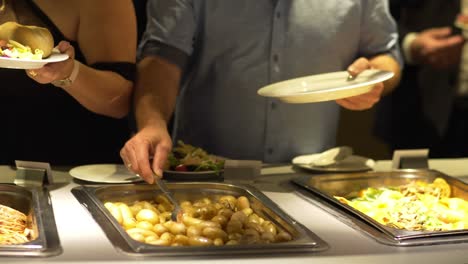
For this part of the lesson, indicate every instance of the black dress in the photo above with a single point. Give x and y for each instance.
(44, 123)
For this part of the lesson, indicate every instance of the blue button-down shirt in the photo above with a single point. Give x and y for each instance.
(237, 47)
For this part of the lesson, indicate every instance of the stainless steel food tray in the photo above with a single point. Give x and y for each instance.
(322, 188)
(36, 204)
(92, 197)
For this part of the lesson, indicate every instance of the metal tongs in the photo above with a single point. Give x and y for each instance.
(177, 211)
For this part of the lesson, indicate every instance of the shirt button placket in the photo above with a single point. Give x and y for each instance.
(273, 125)
(276, 67)
(277, 39)
(273, 105)
(270, 151)
(275, 58)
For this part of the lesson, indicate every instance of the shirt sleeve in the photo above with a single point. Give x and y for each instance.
(379, 31)
(406, 47)
(170, 30)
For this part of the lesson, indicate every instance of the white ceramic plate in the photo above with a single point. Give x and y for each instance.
(31, 64)
(104, 173)
(324, 87)
(352, 163)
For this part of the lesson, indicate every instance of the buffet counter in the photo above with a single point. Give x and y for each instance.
(83, 241)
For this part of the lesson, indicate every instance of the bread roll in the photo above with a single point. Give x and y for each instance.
(31, 36)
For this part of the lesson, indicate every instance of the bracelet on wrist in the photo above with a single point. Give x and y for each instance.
(67, 82)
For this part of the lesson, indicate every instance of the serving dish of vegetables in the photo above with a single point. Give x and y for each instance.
(187, 162)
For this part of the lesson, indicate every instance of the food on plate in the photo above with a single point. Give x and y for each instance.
(462, 20)
(185, 157)
(417, 206)
(25, 42)
(215, 221)
(13, 226)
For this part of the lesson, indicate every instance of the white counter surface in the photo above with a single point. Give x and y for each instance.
(83, 241)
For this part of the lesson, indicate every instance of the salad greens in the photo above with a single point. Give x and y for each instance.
(185, 157)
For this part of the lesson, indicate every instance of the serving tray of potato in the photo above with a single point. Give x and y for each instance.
(218, 219)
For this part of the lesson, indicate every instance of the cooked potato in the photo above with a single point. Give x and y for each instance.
(224, 221)
(148, 216)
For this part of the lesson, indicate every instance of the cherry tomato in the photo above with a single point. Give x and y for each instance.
(181, 167)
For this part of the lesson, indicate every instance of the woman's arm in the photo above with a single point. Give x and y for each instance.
(106, 33)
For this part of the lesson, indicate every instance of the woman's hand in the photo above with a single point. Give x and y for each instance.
(57, 70)
(148, 142)
(362, 101)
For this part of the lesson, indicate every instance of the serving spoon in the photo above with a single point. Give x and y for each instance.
(177, 211)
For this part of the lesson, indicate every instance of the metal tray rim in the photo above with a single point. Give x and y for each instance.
(393, 236)
(47, 243)
(308, 242)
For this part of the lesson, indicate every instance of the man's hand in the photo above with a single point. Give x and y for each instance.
(437, 48)
(362, 101)
(137, 152)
